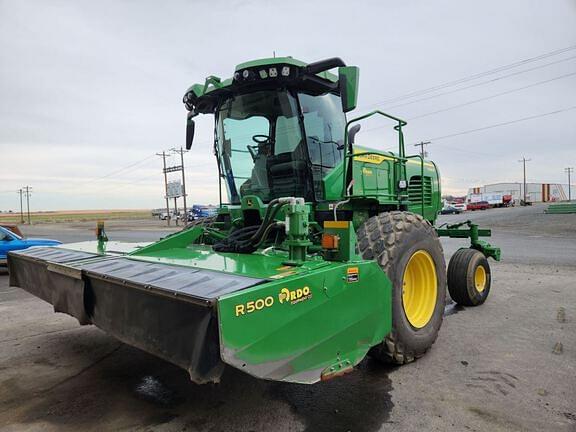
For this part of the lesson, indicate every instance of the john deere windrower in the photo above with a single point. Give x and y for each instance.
(322, 251)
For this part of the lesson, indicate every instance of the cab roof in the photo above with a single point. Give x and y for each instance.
(266, 73)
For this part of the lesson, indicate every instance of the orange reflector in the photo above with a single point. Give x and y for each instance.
(330, 241)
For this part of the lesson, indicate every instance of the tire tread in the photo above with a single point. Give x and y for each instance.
(379, 238)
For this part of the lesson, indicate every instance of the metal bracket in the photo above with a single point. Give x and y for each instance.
(473, 233)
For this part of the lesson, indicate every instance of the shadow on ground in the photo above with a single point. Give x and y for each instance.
(126, 388)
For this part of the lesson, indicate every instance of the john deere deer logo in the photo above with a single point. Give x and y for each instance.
(294, 296)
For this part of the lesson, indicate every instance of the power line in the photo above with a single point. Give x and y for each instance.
(484, 99)
(478, 84)
(503, 124)
(492, 96)
(476, 76)
(113, 173)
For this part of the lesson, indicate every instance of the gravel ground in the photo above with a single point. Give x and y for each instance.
(508, 365)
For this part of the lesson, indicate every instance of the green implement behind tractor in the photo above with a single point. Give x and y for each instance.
(322, 251)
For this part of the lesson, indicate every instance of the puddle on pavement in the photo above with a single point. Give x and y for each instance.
(452, 309)
(358, 402)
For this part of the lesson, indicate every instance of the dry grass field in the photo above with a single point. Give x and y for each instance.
(76, 216)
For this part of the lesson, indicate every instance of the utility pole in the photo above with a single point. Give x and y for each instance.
(182, 191)
(21, 192)
(421, 144)
(524, 160)
(27, 191)
(163, 154)
(181, 151)
(569, 170)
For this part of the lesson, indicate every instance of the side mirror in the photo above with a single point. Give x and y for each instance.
(189, 132)
(348, 78)
(352, 133)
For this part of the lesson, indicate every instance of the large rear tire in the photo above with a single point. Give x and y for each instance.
(407, 248)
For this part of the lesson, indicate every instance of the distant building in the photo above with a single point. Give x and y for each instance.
(535, 192)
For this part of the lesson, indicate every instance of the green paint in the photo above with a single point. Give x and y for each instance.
(473, 233)
(349, 78)
(338, 323)
(297, 227)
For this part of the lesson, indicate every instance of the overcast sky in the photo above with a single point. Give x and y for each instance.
(91, 90)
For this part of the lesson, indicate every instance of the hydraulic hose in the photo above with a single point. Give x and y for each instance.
(271, 211)
(270, 227)
(248, 239)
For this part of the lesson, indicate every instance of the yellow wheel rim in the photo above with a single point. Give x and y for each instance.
(419, 289)
(480, 278)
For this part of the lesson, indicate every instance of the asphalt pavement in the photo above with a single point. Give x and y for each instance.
(507, 365)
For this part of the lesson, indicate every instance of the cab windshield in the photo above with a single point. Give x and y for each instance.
(261, 148)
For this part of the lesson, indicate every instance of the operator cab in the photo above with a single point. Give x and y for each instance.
(280, 125)
(276, 143)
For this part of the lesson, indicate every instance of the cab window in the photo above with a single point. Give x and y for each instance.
(325, 124)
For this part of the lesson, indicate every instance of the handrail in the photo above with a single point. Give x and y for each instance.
(350, 151)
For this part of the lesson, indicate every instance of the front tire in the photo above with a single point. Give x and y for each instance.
(407, 248)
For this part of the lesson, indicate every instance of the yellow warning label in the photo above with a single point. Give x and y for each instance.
(336, 224)
(352, 274)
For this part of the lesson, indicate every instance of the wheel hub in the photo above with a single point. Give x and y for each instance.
(419, 289)
(480, 278)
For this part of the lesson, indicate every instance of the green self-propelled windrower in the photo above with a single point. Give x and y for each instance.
(322, 252)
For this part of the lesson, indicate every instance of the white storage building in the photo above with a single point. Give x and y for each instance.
(535, 192)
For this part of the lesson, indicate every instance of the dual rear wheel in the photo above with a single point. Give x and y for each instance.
(408, 250)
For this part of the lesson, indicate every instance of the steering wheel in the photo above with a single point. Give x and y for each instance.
(261, 139)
